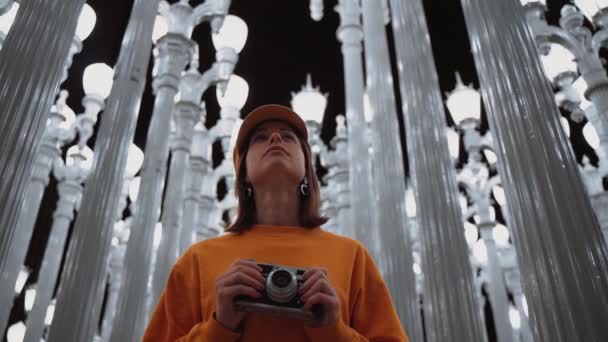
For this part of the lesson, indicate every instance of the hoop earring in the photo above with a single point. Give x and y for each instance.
(304, 187)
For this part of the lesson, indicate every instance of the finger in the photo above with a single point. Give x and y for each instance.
(313, 270)
(311, 281)
(320, 286)
(247, 269)
(243, 278)
(248, 262)
(229, 292)
(326, 300)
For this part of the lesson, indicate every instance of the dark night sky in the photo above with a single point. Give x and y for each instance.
(284, 44)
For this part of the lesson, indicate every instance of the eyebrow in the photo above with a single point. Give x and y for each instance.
(266, 129)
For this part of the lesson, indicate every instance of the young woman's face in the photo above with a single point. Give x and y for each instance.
(275, 152)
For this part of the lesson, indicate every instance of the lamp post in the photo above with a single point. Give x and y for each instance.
(76, 316)
(231, 102)
(538, 172)
(61, 128)
(583, 46)
(388, 172)
(350, 35)
(444, 249)
(310, 104)
(198, 170)
(70, 175)
(172, 54)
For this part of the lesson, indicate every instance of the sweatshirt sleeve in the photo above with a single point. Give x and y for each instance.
(178, 315)
(373, 315)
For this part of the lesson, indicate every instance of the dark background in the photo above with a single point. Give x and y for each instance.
(284, 44)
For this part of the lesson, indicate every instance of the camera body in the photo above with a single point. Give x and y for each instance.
(280, 294)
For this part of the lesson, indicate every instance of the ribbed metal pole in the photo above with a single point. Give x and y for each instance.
(389, 176)
(559, 245)
(450, 306)
(76, 315)
(70, 191)
(350, 34)
(199, 169)
(29, 84)
(172, 53)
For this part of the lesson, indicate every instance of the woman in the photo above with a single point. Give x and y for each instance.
(277, 223)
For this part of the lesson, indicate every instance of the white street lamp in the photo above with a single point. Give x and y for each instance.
(236, 93)
(16, 332)
(558, 61)
(21, 279)
(309, 103)
(80, 157)
(480, 252)
(499, 195)
(97, 80)
(50, 312)
(86, 22)
(134, 188)
(500, 233)
(233, 34)
(453, 142)
(135, 160)
(161, 28)
(464, 102)
(591, 8)
(228, 42)
(591, 136)
(471, 234)
(490, 156)
(514, 317)
(30, 296)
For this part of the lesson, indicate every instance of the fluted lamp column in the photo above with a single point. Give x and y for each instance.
(464, 104)
(226, 130)
(97, 81)
(76, 316)
(194, 85)
(58, 131)
(388, 172)
(30, 81)
(70, 175)
(29, 99)
(171, 54)
(198, 169)
(445, 260)
(350, 34)
(230, 37)
(564, 257)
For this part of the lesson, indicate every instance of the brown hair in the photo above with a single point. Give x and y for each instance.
(310, 205)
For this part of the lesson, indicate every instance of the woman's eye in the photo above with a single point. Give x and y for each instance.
(288, 136)
(259, 137)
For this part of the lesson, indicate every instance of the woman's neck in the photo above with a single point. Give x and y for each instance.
(277, 208)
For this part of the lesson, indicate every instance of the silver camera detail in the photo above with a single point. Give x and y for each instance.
(280, 294)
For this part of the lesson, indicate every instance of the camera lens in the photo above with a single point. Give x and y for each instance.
(281, 278)
(281, 285)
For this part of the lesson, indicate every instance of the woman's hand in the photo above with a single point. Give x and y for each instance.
(317, 289)
(244, 277)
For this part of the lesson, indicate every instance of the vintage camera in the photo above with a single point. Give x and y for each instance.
(280, 294)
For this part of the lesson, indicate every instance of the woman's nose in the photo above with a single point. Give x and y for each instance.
(275, 137)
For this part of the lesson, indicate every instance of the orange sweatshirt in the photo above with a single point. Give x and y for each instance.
(186, 307)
